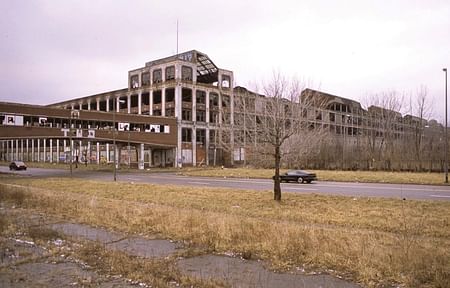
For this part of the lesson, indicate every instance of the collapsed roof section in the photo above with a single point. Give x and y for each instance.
(207, 71)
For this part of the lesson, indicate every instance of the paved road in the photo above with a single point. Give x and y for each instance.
(407, 191)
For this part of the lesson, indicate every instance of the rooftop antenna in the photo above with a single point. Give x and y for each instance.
(177, 37)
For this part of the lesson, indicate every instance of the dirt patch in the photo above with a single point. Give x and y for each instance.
(243, 273)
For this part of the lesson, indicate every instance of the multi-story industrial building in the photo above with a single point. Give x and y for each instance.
(172, 113)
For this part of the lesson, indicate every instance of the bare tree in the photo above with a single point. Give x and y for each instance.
(383, 121)
(268, 121)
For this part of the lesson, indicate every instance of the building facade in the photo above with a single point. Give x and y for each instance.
(177, 111)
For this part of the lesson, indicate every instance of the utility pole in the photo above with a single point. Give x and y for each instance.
(446, 140)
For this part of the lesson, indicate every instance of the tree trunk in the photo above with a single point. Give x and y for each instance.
(276, 185)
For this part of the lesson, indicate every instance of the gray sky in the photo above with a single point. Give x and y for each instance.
(55, 50)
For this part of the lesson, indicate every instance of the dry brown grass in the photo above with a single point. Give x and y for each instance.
(373, 241)
(327, 175)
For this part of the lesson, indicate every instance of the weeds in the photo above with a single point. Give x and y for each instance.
(374, 241)
(11, 194)
(43, 233)
(157, 273)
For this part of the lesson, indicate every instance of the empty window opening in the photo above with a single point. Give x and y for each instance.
(225, 101)
(145, 98)
(145, 78)
(200, 97)
(134, 81)
(186, 95)
(200, 115)
(200, 136)
(213, 117)
(213, 99)
(186, 73)
(157, 97)
(170, 95)
(170, 73)
(186, 135)
(186, 115)
(157, 76)
(134, 101)
(170, 112)
(226, 80)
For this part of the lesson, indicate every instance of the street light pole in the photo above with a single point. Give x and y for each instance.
(446, 140)
(114, 137)
(114, 133)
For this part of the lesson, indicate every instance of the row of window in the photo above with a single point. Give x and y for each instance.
(157, 76)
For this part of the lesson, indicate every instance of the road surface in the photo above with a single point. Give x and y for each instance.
(400, 191)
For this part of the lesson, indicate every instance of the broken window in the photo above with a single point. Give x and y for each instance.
(226, 80)
(200, 97)
(170, 112)
(201, 136)
(186, 95)
(332, 117)
(186, 135)
(225, 101)
(186, 73)
(201, 116)
(186, 114)
(213, 117)
(170, 73)
(157, 97)
(157, 76)
(213, 99)
(145, 78)
(170, 95)
(134, 81)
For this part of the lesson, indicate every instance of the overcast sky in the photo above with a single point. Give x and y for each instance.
(55, 50)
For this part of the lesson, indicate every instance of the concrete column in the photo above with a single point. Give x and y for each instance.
(151, 103)
(207, 107)
(129, 103)
(39, 150)
(21, 150)
(51, 150)
(80, 146)
(88, 153)
(207, 146)
(64, 150)
(57, 150)
(28, 150)
(98, 153)
(140, 103)
(10, 155)
(178, 107)
(194, 146)
(107, 104)
(150, 157)
(194, 105)
(107, 152)
(45, 150)
(98, 104)
(141, 157)
(89, 105)
(32, 150)
(163, 102)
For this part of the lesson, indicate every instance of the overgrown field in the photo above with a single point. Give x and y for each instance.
(375, 242)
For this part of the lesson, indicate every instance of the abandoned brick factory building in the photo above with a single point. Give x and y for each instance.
(170, 114)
